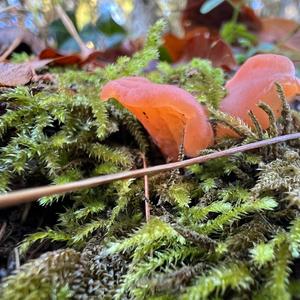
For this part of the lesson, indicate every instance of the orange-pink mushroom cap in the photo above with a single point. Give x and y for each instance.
(253, 83)
(171, 115)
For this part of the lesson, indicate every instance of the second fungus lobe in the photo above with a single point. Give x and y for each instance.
(171, 115)
(253, 83)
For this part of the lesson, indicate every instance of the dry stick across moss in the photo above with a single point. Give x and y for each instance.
(30, 194)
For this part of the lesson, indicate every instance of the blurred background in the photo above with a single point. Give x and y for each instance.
(104, 22)
(119, 27)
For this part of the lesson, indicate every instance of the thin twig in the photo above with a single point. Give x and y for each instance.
(25, 212)
(2, 230)
(16, 42)
(30, 194)
(85, 51)
(173, 177)
(8, 8)
(288, 36)
(17, 258)
(146, 185)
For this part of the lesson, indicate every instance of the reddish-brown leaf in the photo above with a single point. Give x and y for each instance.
(91, 57)
(60, 59)
(203, 43)
(175, 46)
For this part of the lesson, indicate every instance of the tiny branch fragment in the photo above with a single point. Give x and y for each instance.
(11, 48)
(173, 176)
(2, 230)
(17, 258)
(147, 195)
(27, 195)
(200, 240)
(179, 277)
(72, 30)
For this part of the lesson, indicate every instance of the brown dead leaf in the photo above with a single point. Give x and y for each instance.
(98, 58)
(284, 33)
(203, 43)
(192, 17)
(19, 74)
(15, 74)
(175, 46)
(91, 57)
(59, 58)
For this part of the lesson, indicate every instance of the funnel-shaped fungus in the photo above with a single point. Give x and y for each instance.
(171, 115)
(253, 83)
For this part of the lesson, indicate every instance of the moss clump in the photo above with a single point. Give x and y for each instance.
(197, 77)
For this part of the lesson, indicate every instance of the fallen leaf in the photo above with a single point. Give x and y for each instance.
(19, 74)
(254, 83)
(203, 43)
(86, 55)
(15, 74)
(282, 32)
(171, 115)
(97, 58)
(192, 17)
(59, 58)
(175, 46)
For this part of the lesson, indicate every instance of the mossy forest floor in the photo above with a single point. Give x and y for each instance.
(225, 229)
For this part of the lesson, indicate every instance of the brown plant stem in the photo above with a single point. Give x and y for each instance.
(85, 51)
(11, 48)
(2, 230)
(30, 194)
(146, 187)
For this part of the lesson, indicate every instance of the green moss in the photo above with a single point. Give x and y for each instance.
(233, 33)
(197, 77)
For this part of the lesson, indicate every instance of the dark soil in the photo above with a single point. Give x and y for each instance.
(15, 224)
